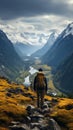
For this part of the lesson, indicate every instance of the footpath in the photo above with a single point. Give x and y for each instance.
(36, 119)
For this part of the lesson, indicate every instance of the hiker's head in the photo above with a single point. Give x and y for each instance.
(40, 70)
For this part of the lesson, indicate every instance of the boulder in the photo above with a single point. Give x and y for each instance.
(53, 125)
(30, 109)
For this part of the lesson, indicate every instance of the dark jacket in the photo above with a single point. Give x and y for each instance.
(36, 88)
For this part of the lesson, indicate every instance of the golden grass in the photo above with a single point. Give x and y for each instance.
(13, 107)
(64, 114)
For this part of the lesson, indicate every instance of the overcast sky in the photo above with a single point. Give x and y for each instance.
(34, 20)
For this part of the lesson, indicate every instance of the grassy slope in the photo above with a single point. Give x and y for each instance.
(63, 113)
(13, 106)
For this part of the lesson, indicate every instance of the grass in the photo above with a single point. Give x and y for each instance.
(13, 104)
(14, 99)
(63, 113)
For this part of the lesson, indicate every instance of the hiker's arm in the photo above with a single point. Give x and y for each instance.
(34, 84)
(46, 88)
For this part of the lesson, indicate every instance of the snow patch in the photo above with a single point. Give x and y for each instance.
(32, 70)
(27, 81)
(69, 30)
(3, 66)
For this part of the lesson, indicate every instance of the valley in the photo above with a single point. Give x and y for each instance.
(17, 71)
(27, 76)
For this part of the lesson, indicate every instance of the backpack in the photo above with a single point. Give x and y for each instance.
(40, 82)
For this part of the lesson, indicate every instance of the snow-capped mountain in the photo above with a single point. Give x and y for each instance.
(69, 30)
(47, 46)
(62, 48)
(33, 38)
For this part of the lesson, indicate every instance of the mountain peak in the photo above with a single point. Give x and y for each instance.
(53, 36)
(70, 25)
(68, 30)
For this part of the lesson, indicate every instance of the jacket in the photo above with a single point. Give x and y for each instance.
(36, 88)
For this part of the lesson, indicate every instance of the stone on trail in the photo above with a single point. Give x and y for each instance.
(36, 120)
(53, 125)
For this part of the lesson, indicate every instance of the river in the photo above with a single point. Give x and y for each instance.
(27, 79)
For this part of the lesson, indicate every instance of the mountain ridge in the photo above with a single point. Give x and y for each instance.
(47, 46)
(63, 77)
(10, 62)
(62, 48)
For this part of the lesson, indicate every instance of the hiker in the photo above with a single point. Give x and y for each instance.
(40, 86)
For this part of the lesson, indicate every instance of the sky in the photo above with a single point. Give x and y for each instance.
(32, 21)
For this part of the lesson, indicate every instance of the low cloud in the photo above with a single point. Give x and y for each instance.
(31, 31)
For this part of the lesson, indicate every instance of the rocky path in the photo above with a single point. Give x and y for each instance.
(37, 119)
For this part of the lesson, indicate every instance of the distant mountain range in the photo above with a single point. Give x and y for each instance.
(62, 48)
(25, 49)
(46, 47)
(10, 62)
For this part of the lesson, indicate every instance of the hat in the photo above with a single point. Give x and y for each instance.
(40, 69)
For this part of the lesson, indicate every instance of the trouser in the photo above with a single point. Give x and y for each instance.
(40, 99)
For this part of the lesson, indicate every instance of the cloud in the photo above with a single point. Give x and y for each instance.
(10, 9)
(30, 30)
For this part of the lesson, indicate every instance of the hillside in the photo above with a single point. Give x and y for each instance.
(63, 78)
(10, 62)
(62, 48)
(14, 100)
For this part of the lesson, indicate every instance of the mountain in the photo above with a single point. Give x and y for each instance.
(62, 48)
(10, 62)
(25, 49)
(46, 47)
(63, 78)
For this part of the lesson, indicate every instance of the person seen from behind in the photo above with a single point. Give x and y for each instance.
(40, 86)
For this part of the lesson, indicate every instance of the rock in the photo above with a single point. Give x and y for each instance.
(53, 125)
(48, 103)
(15, 91)
(45, 106)
(16, 128)
(69, 107)
(46, 111)
(44, 128)
(19, 127)
(36, 128)
(8, 94)
(27, 120)
(54, 100)
(30, 109)
(15, 123)
(36, 118)
(38, 110)
(33, 125)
